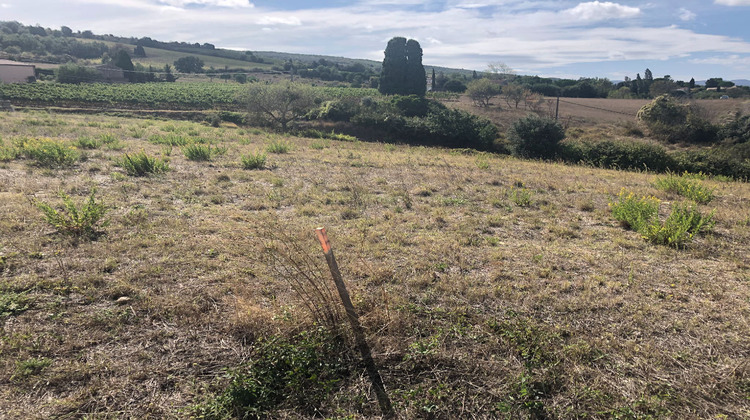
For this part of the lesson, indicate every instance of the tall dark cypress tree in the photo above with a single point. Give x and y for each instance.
(433, 78)
(403, 72)
(393, 75)
(416, 79)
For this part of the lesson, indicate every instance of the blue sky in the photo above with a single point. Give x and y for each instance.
(684, 39)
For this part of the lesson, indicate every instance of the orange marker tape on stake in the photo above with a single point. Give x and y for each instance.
(323, 239)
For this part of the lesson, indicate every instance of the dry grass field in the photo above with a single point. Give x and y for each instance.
(490, 287)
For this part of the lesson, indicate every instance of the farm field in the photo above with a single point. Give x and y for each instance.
(489, 287)
(588, 112)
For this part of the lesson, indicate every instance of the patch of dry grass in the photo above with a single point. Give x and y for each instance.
(475, 306)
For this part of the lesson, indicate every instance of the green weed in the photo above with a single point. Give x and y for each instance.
(254, 160)
(29, 367)
(12, 303)
(520, 196)
(49, 153)
(278, 146)
(141, 164)
(684, 222)
(633, 212)
(84, 221)
(301, 372)
(686, 187)
(86, 142)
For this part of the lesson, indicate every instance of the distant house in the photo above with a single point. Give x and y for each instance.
(16, 72)
(111, 74)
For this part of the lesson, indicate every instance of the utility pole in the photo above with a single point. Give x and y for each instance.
(557, 107)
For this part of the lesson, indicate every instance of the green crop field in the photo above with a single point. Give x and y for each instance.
(176, 281)
(192, 95)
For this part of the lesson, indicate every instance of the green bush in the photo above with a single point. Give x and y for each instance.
(633, 212)
(278, 146)
(617, 155)
(535, 137)
(336, 110)
(737, 130)
(8, 153)
(684, 222)
(733, 161)
(686, 187)
(254, 161)
(411, 105)
(456, 128)
(297, 374)
(233, 117)
(84, 221)
(641, 215)
(141, 164)
(86, 142)
(49, 153)
(673, 122)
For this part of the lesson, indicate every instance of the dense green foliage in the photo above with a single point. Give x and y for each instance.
(199, 95)
(617, 155)
(535, 137)
(189, 64)
(403, 72)
(642, 215)
(141, 164)
(673, 122)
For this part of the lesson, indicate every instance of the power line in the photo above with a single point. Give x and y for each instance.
(599, 108)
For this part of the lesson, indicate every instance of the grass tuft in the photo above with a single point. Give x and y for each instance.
(254, 161)
(686, 187)
(141, 164)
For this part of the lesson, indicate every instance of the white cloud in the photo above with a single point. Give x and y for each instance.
(732, 60)
(279, 20)
(686, 15)
(596, 10)
(733, 2)
(215, 3)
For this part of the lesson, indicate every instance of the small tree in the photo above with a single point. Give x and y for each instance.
(189, 64)
(123, 61)
(279, 104)
(168, 76)
(535, 137)
(514, 94)
(481, 91)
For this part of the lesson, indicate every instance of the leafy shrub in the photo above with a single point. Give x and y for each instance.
(337, 110)
(8, 153)
(617, 155)
(535, 137)
(86, 142)
(689, 188)
(141, 164)
(12, 303)
(633, 212)
(684, 222)
(736, 130)
(233, 117)
(278, 146)
(49, 153)
(410, 105)
(673, 122)
(298, 374)
(84, 221)
(456, 128)
(254, 161)
(641, 215)
(731, 161)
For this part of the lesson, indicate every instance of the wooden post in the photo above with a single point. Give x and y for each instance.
(557, 107)
(372, 370)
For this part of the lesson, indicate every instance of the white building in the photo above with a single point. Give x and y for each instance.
(15, 72)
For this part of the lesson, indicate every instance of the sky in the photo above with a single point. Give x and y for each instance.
(684, 39)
